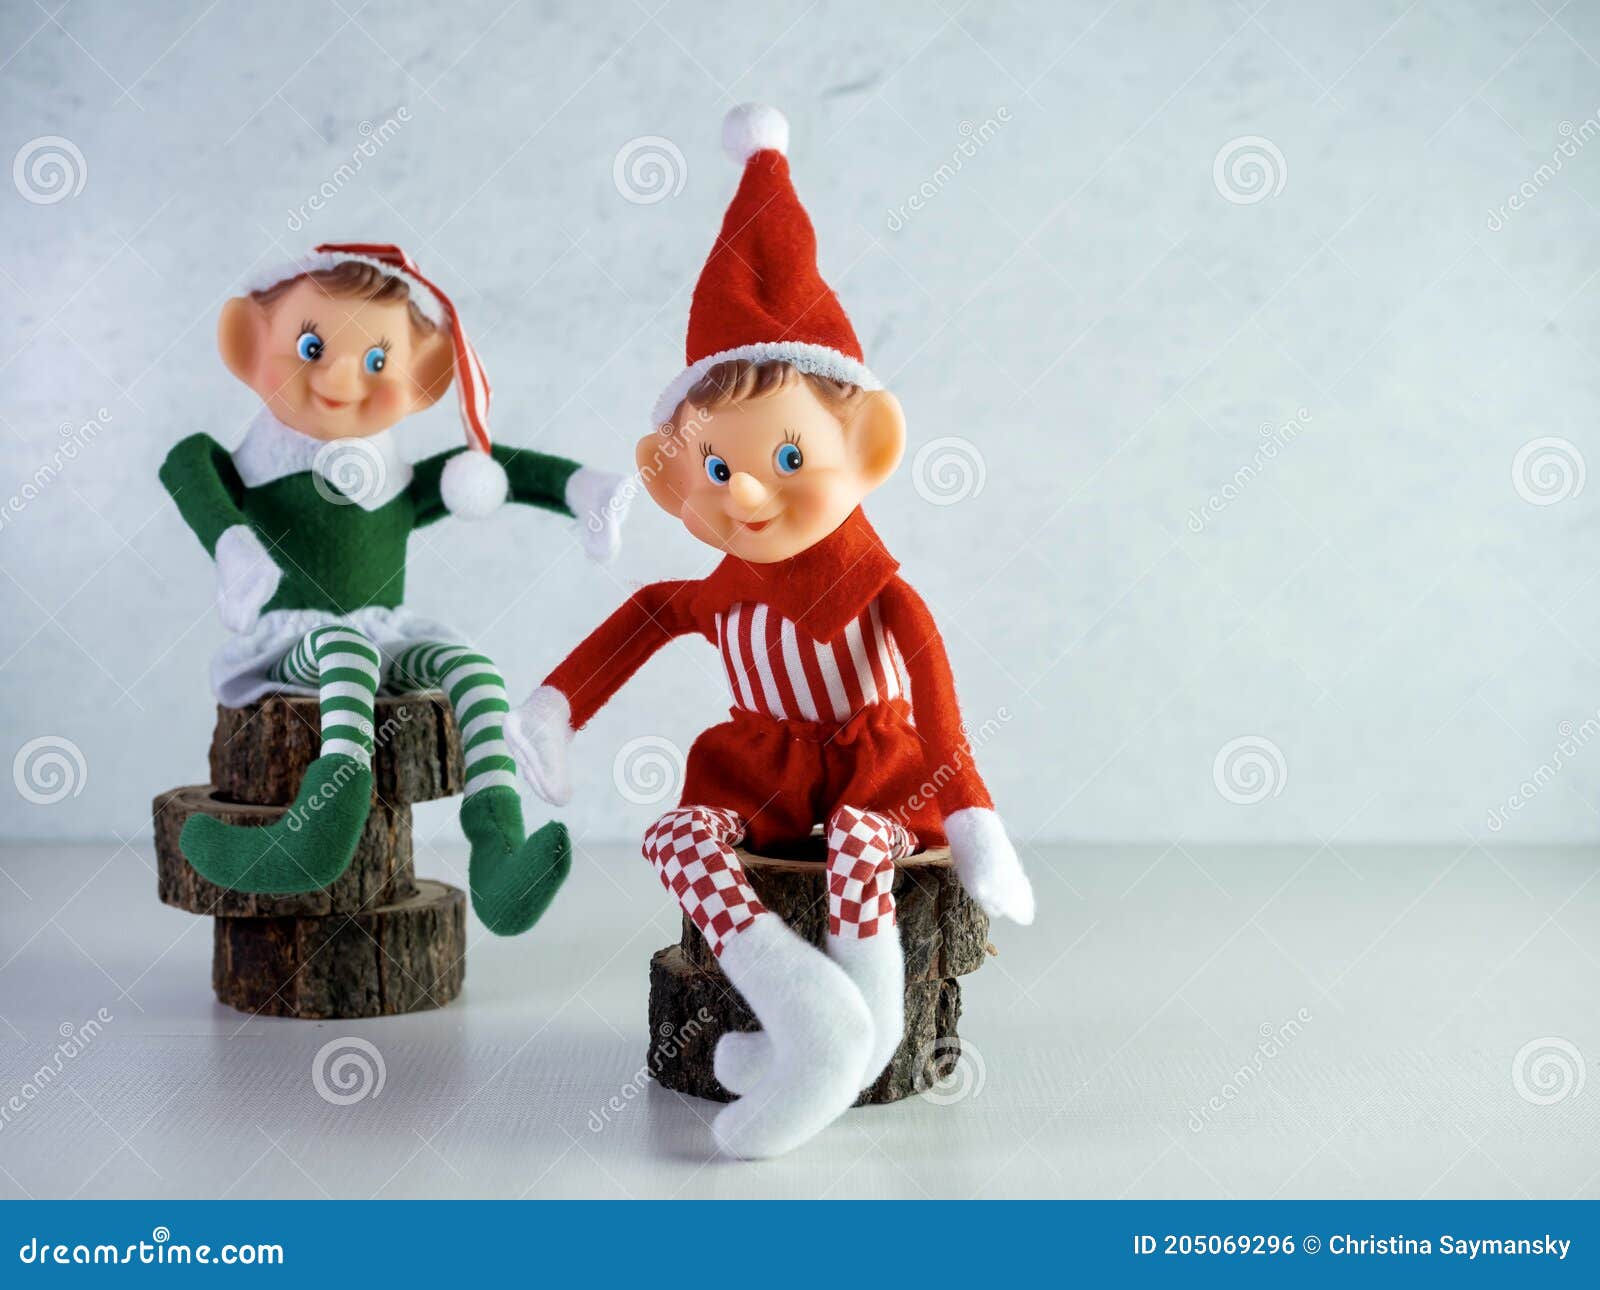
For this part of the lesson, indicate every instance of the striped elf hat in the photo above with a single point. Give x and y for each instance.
(760, 296)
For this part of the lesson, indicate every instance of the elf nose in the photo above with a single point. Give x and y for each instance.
(748, 491)
(340, 379)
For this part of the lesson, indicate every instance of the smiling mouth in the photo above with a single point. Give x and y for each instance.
(755, 526)
(330, 403)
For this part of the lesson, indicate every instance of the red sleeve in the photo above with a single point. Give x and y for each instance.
(947, 754)
(621, 645)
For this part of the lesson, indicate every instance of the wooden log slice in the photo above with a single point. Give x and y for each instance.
(690, 1009)
(260, 753)
(380, 873)
(405, 957)
(942, 930)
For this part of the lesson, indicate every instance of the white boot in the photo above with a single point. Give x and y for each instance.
(741, 1059)
(819, 1034)
(877, 967)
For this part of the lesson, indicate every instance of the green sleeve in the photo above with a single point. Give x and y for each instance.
(535, 478)
(199, 475)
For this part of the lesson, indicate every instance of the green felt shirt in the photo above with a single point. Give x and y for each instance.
(335, 557)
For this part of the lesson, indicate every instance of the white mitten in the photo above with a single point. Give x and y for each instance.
(247, 577)
(600, 500)
(538, 734)
(987, 864)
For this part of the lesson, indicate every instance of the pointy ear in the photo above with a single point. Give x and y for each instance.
(656, 456)
(876, 433)
(242, 337)
(433, 364)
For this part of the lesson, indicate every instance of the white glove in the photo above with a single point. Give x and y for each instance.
(246, 578)
(538, 734)
(600, 500)
(987, 864)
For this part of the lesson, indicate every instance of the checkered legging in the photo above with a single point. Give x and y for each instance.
(691, 849)
(862, 849)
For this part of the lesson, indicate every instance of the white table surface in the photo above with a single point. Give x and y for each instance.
(1095, 1040)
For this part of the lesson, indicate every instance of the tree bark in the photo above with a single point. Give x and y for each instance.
(260, 753)
(404, 957)
(380, 874)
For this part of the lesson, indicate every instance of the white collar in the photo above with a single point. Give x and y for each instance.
(368, 471)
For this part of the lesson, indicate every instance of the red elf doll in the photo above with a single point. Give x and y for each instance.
(844, 711)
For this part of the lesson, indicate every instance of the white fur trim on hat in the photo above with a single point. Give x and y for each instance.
(754, 127)
(320, 261)
(473, 485)
(815, 360)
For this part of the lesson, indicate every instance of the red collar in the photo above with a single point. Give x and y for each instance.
(821, 590)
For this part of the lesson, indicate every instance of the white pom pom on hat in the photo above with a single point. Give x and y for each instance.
(473, 485)
(754, 127)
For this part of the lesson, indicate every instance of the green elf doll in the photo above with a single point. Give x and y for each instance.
(308, 521)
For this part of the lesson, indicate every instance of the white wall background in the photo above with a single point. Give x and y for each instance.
(1080, 302)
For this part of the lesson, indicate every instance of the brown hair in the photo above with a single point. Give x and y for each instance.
(351, 279)
(739, 379)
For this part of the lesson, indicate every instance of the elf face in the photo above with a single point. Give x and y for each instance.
(767, 477)
(334, 367)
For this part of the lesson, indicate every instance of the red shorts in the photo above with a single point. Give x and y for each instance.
(783, 777)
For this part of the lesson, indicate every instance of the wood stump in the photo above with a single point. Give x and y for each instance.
(380, 874)
(260, 753)
(404, 957)
(944, 936)
(376, 941)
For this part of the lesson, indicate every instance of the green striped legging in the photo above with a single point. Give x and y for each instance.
(347, 670)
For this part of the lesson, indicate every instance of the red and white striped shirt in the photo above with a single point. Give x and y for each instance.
(775, 668)
(818, 637)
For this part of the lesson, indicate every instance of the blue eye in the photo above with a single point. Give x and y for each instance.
(717, 470)
(788, 458)
(309, 346)
(374, 359)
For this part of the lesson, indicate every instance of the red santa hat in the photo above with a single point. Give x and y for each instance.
(473, 484)
(760, 297)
